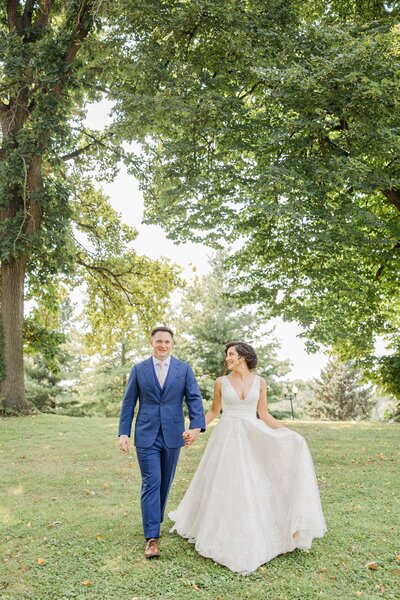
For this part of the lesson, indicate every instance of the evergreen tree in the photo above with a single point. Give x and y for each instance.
(339, 394)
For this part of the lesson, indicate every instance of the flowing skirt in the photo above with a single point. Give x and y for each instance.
(253, 496)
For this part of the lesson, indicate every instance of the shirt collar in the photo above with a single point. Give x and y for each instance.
(157, 361)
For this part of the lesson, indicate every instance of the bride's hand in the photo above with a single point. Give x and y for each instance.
(190, 436)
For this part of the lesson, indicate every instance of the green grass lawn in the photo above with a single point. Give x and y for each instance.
(71, 498)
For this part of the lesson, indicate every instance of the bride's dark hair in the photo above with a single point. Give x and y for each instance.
(245, 350)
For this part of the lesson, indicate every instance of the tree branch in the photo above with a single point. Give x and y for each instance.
(251, 90)
(79, 151)
(79, 33)
(28, 12)
(13, 16)
(393, 196)
(44, 13)
(97, 142)
(108, 275)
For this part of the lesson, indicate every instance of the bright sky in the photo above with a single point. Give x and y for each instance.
(126, 198)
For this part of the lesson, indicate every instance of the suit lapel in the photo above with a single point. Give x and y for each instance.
(150, 374)
(171, 375)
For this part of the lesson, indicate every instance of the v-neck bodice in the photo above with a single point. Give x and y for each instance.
(233, 405)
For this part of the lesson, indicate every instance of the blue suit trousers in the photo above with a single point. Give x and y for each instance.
(157, 466)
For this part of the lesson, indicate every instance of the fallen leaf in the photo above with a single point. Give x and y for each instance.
(34, 499)
(99, 538)
(41, 561)
(106, 485)
(372, 565)
(397, 559)
(29, 525)
(359, 594)
(87, 582)
(323, 570)
(196, 587)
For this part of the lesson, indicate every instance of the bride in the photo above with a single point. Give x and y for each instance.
(254, 494)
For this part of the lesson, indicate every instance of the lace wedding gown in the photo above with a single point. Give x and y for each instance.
(254, 494)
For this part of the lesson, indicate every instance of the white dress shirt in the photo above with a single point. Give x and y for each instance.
(157, 362)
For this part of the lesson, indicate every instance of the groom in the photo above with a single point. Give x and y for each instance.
(160, 383)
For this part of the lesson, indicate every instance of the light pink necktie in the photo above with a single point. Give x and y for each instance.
(161, 373)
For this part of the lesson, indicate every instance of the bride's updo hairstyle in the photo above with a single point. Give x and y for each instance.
(246, 351)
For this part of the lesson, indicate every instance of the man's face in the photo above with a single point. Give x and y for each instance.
(162, 344)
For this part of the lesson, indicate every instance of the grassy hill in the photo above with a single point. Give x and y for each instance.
(70, 500)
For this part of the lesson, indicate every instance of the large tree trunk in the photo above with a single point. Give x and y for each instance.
(29, 21)
(12, 320)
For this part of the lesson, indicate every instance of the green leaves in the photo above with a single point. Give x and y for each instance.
(273, 124)
(283, 133)
(54, 58)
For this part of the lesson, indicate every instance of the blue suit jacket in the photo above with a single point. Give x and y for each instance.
(161, 407)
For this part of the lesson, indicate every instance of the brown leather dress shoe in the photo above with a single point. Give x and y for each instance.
(151, 550)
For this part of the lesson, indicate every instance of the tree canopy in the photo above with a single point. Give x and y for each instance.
(270, 123)
(55, 58)
(275, 126)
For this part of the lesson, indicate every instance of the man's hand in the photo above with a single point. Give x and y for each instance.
(190, 436)
(124, 443)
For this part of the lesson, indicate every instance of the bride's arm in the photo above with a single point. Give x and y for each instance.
(210, 414)
(262, 408)
(216, 405)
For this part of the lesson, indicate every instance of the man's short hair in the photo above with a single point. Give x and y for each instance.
(157, 329)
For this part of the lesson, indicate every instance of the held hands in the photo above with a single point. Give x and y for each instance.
(190, 436)
(124, 443)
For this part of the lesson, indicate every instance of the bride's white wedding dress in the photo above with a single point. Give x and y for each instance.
(254, 494)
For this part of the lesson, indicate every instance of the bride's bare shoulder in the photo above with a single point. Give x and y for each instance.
(218, 388)
(263, 383)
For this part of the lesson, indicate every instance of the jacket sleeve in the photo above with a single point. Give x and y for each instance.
(128, 404)
(194, 401)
